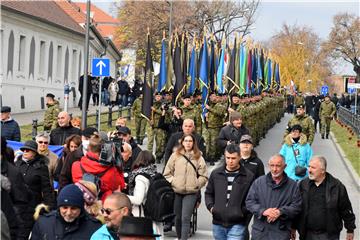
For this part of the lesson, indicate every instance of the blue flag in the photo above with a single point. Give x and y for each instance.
(192, 72)
(163, 70)
(259, 74)
(220, 72)
(203, 77)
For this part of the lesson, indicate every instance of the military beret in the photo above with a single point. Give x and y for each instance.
(300, 106)
(187, 95)
(5, 109)
(50, 95)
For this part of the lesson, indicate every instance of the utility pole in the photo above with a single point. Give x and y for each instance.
(86, 67)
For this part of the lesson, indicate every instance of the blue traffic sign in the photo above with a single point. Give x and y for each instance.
(351, 90)
(324, 90)
(101, 67)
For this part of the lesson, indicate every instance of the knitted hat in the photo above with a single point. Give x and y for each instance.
(71, 195)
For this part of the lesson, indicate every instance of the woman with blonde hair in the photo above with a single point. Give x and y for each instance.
(187, 172)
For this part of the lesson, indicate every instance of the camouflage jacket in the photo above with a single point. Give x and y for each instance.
(50, 116)
(327, 109)
(307, 126)
(216, 115)
(136, 108)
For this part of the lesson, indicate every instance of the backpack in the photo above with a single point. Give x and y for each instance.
(159, 205)
(94, 178)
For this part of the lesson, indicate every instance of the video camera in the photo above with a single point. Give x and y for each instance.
(110, 153)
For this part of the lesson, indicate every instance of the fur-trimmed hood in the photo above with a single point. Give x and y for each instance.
(289, 141)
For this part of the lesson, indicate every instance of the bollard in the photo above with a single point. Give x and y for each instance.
(34, 128)
(110, 117)
(129, 113)
(97, 117)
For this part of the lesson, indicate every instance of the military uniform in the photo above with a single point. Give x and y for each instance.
(307, 126)
(50, 117)
(326, 113)
(140, 121)
(155, 132)
(214, 119)
(191, 113)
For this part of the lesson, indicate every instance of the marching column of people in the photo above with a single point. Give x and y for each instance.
(296, 195)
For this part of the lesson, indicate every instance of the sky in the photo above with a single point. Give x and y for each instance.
(271, 15)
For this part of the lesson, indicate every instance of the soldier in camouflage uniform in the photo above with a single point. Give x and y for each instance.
(327, 112)
(189, 111)
(140, 121)
(214, 121)
(154, 131)
(298, 100)
(51, 113)
(304, 121)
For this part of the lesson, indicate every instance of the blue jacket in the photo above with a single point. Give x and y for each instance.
(102, 234)
(10, 130)
(304, 154)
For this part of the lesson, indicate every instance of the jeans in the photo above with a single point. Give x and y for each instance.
(235, 232)
(105, 97)
(122, 100)
(183, 207)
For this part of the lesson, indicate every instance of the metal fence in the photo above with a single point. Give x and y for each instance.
(349, 118)
(112, 115)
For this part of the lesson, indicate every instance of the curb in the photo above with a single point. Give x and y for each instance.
(354, 176)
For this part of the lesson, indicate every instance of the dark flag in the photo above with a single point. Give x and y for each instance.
(179, 78)
(231, 71)
(148, 82)
(212, 66)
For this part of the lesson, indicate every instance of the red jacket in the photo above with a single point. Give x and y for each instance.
(112, 180)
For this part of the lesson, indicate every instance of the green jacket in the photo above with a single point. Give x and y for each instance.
(51, 113)
(136, 108)
(307, 126)
(327, 109)
(216, 115)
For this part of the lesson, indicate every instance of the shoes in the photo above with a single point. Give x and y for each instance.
(327, 136)
(322, 136)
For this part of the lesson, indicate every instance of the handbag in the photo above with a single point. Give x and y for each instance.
(300, 171)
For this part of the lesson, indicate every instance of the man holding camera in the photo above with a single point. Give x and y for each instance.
(232, 133)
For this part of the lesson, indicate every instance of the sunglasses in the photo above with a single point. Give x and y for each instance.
(41, 142)
(108, 211)
(27, 150)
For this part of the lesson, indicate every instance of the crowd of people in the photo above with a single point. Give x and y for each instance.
(100, 186)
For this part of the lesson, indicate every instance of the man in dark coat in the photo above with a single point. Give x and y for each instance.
(188, 127)
(274, 200)
(64, 130)
(124, 91)
(325, 205)
(125, 134)
(69, 221)
(225, 196)
(232, 132)
(80, 88)
(249, 158)
(9, 127)
(35, 172)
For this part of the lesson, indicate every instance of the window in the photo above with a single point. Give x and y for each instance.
(21, 66)
(74, 64)
(59, 61)
(42, 58)
(10, 58)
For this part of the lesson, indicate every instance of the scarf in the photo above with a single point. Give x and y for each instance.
(149, 170)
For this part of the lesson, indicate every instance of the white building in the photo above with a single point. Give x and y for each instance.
(42, 49)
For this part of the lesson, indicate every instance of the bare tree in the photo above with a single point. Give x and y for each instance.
(344, 40)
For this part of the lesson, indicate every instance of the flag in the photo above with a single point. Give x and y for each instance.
(179, 81)
(261, 71)
(231, 71)
(192, 71)
(170, 68)
(269, 77)
(221, 70)
(163, 71)
(254, 72)
(148, 80)
(203, 77)
(184, 60)
(277, 77)
(243, 69)
(248, 72)
(212, 66)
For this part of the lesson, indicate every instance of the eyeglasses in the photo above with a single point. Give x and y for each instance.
(26, 150)
(188, 140)
(108, 211)
(41, 142)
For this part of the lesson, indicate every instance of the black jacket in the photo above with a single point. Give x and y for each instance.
(254, 164)
(65, 177)
(338, 207)
(175, 125)
(135, 149)
(10, 130)
(233, 212)
(231, 133)
(59, 134)
(36, 177)
(52, 226)
(174, 141)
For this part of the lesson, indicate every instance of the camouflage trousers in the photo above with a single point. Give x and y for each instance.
(140, 126)
(325, 125)
(213, 152)
(159, 136)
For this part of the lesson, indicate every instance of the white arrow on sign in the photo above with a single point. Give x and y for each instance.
(101, 64)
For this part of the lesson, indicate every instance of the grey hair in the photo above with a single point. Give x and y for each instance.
(43, 135)
(322, 161)
(277, 156)
(189, 120)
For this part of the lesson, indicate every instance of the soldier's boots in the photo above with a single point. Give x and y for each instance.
(327, 136)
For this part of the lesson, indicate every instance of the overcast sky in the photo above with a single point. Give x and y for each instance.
(272, 14)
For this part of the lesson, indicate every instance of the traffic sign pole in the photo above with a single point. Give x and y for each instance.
(99, 107)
